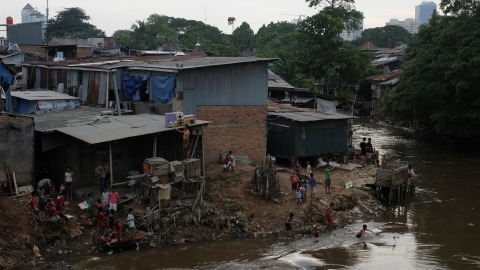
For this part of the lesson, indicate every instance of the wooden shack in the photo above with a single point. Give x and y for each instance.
(393, 184)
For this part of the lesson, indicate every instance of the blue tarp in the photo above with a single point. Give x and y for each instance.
(6, 77)
(131, 86)
(164, 88)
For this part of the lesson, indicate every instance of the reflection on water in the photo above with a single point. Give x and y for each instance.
(439, 229)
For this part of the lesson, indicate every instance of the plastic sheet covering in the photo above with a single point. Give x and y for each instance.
(164, 88)
(326, 105)
(131, 86)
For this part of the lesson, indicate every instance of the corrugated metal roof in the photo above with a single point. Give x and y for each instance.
(171, 62)
(41, 95)
(275, 81)
(113, 128)
(301, 114)
(309, 116)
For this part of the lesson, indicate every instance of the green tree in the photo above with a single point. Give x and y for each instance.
(384, 37)
(456, 7)
(243, 37)
(275, 40)
(439, 88)
(71, 22)
(332, 62)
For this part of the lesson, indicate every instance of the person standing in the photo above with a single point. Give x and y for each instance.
(105, 198)
(68, 181)
(313, 185)
(328, 180)
(294, 181)
(131, 221)
(361, 233)
(113, 199)
(186, 140)
(289, 225)
(329, 216)
(309, 169)
(363, 149)
(103, 172)
(369, 146)
(298, 167)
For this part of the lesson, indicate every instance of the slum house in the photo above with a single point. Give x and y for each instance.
(380, 85)
(300, 132)
(229, 92)
(66, 134)
(69, 49)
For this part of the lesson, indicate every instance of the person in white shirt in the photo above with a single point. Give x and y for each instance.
(68, 180)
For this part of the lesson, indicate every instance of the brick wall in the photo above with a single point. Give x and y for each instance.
(240, 129)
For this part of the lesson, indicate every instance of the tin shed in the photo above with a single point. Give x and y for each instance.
(306, 132)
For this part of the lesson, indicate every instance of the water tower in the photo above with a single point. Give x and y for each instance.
(231, 21)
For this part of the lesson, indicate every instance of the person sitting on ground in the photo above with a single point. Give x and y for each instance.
(315, 238)
(101, 221)
(361, 233)
(34, 201)
(108, 236)
(229, 162)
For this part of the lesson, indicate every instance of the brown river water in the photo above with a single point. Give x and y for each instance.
(438, 229)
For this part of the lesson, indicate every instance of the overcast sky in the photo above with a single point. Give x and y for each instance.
(111, 15)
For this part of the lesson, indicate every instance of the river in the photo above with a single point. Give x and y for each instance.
(438, 229)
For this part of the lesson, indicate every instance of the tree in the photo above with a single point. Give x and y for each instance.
(276, 39)
(348, 4)
(243, 37)
(71, 22)
(439, 87)
(456, 7)
(332, 62)
(384, 37)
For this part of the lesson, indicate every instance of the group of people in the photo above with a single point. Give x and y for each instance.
(301, 184)
(47, 205)
(109, 229)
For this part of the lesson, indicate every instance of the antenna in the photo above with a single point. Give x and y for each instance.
(47, 12)
(205, 14)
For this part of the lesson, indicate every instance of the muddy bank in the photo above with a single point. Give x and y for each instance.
(230, 209)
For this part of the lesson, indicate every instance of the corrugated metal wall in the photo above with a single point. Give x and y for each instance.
(239, 84)
(304, 139)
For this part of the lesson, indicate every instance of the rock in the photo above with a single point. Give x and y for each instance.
(36, 251)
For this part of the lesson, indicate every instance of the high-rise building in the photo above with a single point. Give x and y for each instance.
(410, 25)
(29, 14)
(424, 11)
(354, 34)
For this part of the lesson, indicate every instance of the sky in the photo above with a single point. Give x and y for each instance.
(111, 15)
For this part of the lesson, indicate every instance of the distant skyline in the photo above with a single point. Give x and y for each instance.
(111, 15)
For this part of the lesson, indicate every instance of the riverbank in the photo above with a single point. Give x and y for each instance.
(230, 209)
